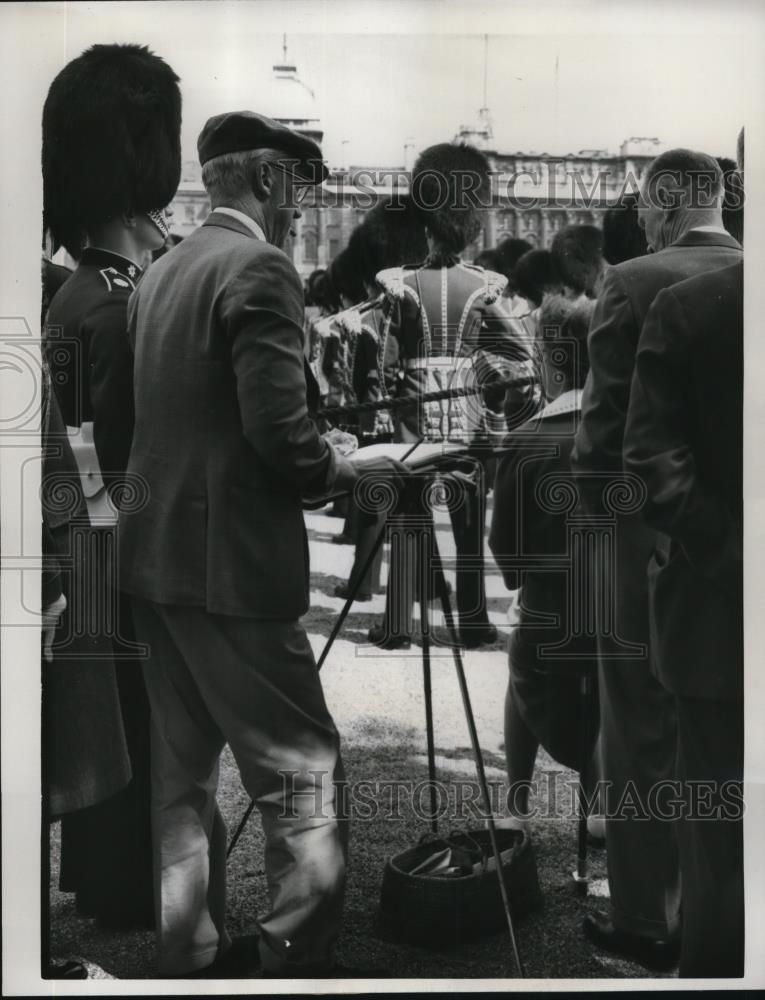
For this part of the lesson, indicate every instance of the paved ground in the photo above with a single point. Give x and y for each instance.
(376, 699)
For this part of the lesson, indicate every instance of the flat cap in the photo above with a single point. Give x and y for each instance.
(237, 131)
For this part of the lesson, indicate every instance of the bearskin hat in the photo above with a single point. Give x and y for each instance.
(390, 235)
(489, 260)
(344, 275)
(111, 140)
(578, 255)
(509, 251)
(535, 275)
(450, 184)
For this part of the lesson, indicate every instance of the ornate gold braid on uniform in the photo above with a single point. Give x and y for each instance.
(392, 282)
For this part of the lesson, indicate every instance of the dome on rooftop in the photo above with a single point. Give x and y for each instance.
(292, 102)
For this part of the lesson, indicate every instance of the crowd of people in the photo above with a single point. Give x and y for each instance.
(595, 387)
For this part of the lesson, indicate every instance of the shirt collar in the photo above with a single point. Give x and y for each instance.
(709, 229)
(251, 224)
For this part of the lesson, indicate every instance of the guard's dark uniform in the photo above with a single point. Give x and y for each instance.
(106, 849)
(89, 355)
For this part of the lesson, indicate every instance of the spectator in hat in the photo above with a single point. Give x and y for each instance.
(217, 563)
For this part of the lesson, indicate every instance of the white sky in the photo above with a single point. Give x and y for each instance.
(383, 71)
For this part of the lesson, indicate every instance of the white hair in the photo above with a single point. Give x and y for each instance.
(228, 176)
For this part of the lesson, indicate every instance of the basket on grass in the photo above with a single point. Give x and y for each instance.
(445, 890)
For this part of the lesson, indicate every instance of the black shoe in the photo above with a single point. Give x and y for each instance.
(241, 961)
(63, 968)
(652, 953)
(379, 636)
(342, 590)
(482, 635)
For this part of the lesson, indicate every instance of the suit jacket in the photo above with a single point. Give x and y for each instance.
(628, 292)
(89, 356)
(223, 437)
(684, 437)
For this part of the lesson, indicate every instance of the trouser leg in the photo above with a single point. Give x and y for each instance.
(189, 836)
(468, 517)
(258, 681)
(402, 578)
(710, 767)
(369, 527)
(638, 736)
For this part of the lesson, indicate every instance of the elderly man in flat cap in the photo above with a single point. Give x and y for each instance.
(217, 562)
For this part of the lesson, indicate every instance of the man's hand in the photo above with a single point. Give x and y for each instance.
(50, 619)
(343, 442)
(390, 469)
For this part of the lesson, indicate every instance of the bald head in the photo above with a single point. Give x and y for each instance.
(681, 190)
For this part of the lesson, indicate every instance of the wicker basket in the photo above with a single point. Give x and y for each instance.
(442, 912)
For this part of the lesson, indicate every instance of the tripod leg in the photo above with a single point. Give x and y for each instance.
(449, 618)
(351, 597)
(240, 828)
(581, 877)
(424, 567)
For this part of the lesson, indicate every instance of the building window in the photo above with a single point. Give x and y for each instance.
(310, 246)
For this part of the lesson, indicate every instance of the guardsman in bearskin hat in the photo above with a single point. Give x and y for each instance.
(390, 234)
(441, 316)
(111, 164)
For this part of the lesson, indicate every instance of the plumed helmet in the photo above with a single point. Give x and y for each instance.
(451, 182)
(111, 140)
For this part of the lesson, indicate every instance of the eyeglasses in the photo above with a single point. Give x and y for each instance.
(299, 188)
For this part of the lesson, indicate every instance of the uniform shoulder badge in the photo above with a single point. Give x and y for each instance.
(392, 281)
(116, 281)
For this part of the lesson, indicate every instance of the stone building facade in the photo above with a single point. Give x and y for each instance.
(533, 194)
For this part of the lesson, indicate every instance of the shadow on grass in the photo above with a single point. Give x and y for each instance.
(550, 940)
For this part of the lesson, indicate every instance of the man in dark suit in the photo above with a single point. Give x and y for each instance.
(680, 211)
(218, 559)
(684, 438)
